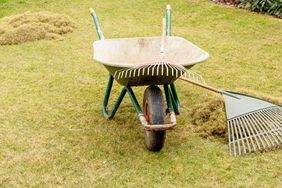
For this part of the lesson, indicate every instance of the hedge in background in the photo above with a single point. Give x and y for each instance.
(273, 7)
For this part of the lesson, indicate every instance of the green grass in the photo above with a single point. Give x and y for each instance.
(52, 132)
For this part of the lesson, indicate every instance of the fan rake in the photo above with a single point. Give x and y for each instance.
(253, 124)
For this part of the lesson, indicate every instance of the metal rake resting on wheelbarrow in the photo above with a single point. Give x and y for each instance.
(253, 124)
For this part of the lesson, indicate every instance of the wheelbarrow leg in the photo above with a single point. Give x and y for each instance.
(174, 99)
(126, 89)
(106, 114)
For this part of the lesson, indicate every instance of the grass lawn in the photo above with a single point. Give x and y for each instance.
(52, 132)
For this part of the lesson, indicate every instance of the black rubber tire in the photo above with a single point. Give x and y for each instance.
(153, 109)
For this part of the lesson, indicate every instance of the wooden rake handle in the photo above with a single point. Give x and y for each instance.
(201, 85)
(163, 38)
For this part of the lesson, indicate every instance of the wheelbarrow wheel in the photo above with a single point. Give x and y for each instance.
(153, 108)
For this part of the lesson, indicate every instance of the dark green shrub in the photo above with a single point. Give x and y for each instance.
(273, 7)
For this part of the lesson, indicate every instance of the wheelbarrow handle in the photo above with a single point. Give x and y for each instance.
(168, 20)
(97, 24)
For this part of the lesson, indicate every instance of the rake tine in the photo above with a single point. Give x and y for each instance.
(181, 72)
(249, 134)
(148, 70)
(129, 73)
(267, 122)
(166, 67)
(229, 137)
(138, 72)
(171, 68)
(120, 75)
(274, 120)
(189, 74)
(256, 133)
(134, 71)
(264, 132)
(277, 111)
(174, 70)
(237, 138)
(241, 135)
(158, 69)
(270, 115)
(277, 115)
(266, 129)
(125, 74)
(153, 69)
(260, 132)
(177, 72)
(115, 74)
(179, 68)
(233, 137)
(246, 136)
(143, 73)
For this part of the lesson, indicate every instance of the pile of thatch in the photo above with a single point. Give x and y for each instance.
(208, 117)
(27, 27)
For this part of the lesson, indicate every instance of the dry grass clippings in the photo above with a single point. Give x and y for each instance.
(29, 27)
(209, 118)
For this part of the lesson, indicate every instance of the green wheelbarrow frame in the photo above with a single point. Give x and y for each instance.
(172, 100)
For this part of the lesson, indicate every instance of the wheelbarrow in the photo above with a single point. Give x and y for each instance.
(125, 53)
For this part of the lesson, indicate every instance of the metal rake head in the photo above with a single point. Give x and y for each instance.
(154, 68)
(194, 77)
(255, 131)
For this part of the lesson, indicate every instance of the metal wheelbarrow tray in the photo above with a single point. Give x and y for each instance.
(125, 53)
(119, 54)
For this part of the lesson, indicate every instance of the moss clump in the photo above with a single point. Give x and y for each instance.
(208, 117)
(28, 27)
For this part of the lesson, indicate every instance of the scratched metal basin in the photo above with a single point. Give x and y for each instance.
(122, 53)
